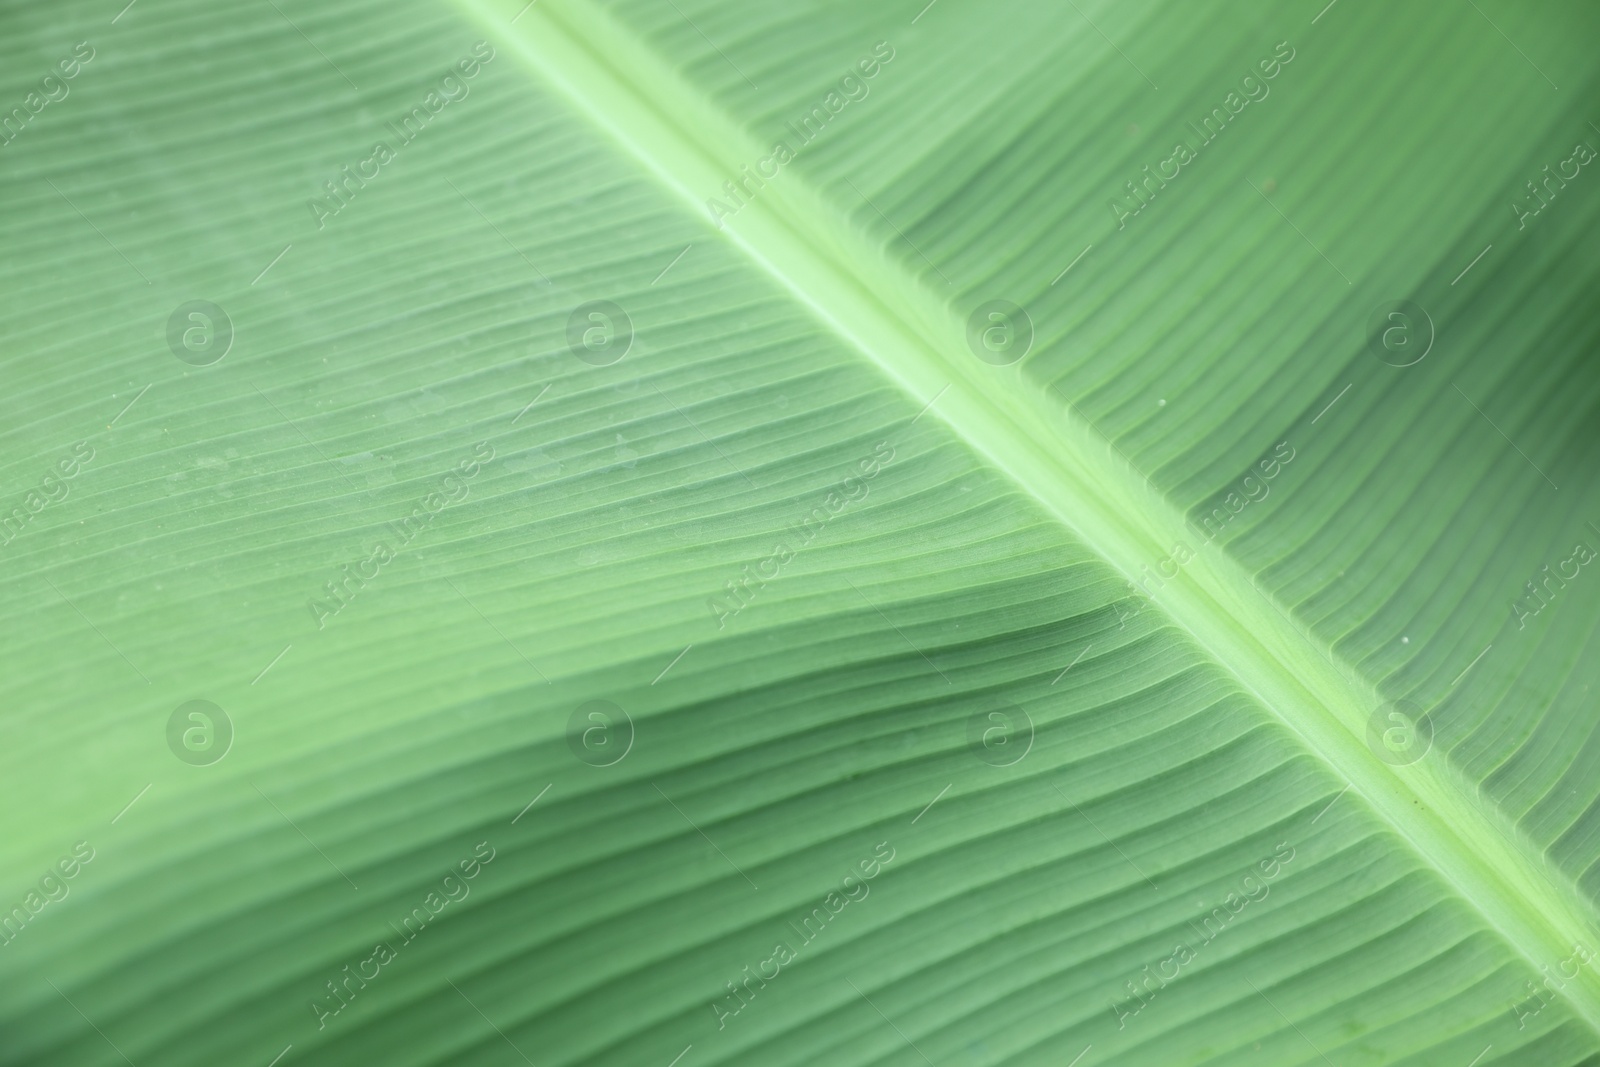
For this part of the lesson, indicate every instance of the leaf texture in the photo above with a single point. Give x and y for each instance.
(906, 672)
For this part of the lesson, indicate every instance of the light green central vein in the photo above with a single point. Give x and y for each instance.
(790, 232)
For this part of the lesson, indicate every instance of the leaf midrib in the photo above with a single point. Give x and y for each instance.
(1122, 519)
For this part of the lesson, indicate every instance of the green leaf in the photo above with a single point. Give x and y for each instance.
(578, 584)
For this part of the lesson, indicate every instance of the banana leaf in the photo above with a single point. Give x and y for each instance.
(620, 532)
